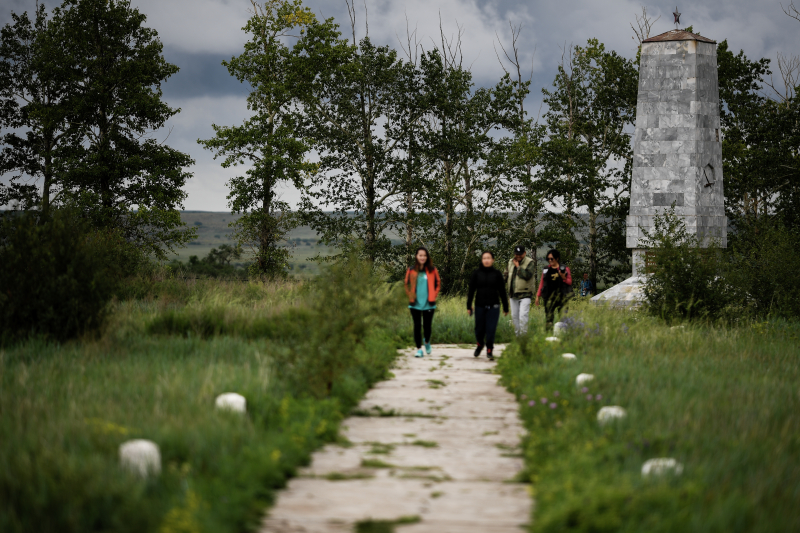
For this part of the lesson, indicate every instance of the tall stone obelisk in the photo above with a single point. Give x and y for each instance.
(677, 154)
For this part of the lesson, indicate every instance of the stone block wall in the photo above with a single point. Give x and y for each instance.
(677, 151)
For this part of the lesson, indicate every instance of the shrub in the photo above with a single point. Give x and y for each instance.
(763, 270)
(56, 276)
(686, 281)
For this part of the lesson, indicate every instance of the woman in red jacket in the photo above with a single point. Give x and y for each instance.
(422, 287)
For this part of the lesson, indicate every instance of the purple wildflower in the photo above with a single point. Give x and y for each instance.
(589, 397)
(553, 405)
(555, 393)
(599, 397)
(524, 396)
(531, 403)
(585, 390)
(543, 400)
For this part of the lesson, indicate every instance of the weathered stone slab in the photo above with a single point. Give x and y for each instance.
(453, 468)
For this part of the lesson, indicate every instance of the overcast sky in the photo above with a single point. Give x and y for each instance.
(199, 34)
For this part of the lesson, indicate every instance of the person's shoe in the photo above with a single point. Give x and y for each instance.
(420, 353)
(489, 355)
(478, 350)
(427, 347)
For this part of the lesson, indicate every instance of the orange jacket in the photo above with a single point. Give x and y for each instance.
(434, 284)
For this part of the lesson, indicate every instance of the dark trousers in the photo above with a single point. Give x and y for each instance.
(486, 325)
(556, 302)
(422, 319)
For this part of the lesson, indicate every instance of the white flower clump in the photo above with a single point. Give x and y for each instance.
(661, 465)
(610, 412)
(551, 339)
(583, 378)
(140, 457)
(231, 402)
(568, 355)
(559, 327)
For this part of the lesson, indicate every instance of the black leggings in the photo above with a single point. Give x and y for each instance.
(556, 302)
(422, 319)
(486, 325)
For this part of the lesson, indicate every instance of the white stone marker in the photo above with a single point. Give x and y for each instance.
(140, 457)
(662, 465)
(231, 402)
(551, 339)
(583, 378)
(559, 327)
(568, 355)
(610, 412)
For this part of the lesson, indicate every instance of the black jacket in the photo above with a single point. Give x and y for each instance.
(488, 288)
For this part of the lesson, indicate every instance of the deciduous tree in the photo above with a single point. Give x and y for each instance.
(120, 175)
(269, 140)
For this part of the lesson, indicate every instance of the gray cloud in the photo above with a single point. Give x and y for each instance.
(199, 34)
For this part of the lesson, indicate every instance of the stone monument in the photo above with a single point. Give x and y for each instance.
(677, 154)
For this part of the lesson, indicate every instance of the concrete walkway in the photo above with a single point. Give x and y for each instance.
(438, 442)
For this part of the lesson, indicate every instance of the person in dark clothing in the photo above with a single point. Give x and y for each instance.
(555, 287)
(488, 288)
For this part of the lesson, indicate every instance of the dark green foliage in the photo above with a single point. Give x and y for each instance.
(219, 263)
(587, 158)
(34, 95)
(91, 80)
(57, 277)
(762, 271)
(761, 142)
(345, 310)
(686, 281)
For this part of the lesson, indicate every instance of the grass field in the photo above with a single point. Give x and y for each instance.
(302, 355)
(724, 402)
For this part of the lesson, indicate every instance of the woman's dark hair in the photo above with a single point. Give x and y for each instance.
(487, 252)
(428, 262)
(555, 253)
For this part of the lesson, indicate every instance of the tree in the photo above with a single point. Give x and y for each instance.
(464, 162)
(519, 156)
(760, 145)
(356, 119)
(119, 175)
(33, 112)
(587, 157)
(269, 140)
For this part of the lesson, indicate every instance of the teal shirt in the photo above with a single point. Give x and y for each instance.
(422, 294)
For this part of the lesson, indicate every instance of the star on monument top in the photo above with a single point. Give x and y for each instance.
(677, 15)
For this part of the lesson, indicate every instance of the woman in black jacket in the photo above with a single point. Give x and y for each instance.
(489, 289)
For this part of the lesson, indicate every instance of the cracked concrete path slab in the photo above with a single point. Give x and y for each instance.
(439, 441)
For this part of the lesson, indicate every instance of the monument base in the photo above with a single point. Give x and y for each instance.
(629, 293)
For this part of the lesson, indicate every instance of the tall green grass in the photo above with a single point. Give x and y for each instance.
(65, 409)
(724, 402)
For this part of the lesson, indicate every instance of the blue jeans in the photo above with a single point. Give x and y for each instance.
(486, 324)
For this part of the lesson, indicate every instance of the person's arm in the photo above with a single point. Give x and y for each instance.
(471, 292)
(501, 287)
(407, 286)
(527, 272)
(539, 292)
(437, 285)
(568, 278)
